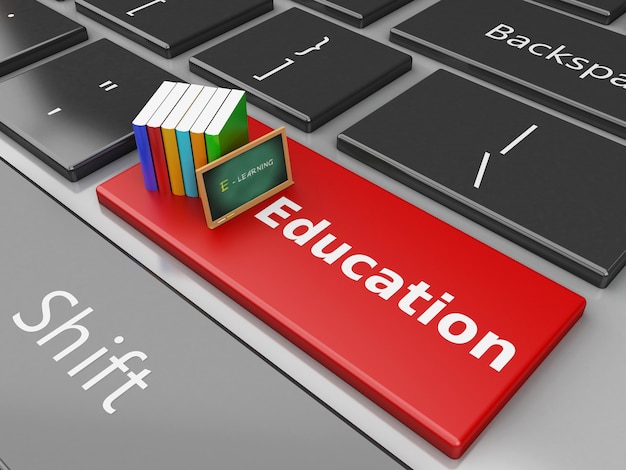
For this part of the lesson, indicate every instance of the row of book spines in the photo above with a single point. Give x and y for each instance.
(169, 157)
(169, 161)
(174, 161)
(172, 157)
(185, 152)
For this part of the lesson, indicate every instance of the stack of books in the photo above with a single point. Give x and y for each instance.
(182, 128)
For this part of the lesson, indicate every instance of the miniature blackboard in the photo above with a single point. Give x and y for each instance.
(241, 179)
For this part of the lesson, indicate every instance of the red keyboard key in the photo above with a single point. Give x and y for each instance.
(434, 326)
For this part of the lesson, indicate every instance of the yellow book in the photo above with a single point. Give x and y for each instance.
(170, 144)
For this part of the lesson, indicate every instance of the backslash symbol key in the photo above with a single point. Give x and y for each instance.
(486, 156)
(537, 184)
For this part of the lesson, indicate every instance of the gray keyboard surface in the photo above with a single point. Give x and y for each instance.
(569, 415)
(105, 367)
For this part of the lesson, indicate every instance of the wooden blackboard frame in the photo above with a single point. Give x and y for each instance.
(214, 220)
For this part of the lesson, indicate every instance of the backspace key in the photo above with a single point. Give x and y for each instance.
(568, 64)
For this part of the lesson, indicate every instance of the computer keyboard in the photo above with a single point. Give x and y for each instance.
(568, 413)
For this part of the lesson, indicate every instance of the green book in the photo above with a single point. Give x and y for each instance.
(228, 129)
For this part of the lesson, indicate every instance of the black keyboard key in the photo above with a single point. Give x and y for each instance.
(602, 11)
(172, 27)
(569, 64)
(553, 187)
(357, 13)
(75, 112)
(30, 31)
(302, 68)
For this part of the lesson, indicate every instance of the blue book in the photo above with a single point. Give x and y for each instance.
(141, 134)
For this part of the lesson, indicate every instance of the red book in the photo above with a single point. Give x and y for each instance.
(155, 136)
(158, 159)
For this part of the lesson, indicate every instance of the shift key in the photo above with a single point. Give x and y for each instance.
(568, 64)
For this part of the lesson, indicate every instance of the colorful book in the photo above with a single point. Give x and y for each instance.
(198, 141)
(228, 129)
(156, 139)
(170, 141)
(183, 138)
(141, 134)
